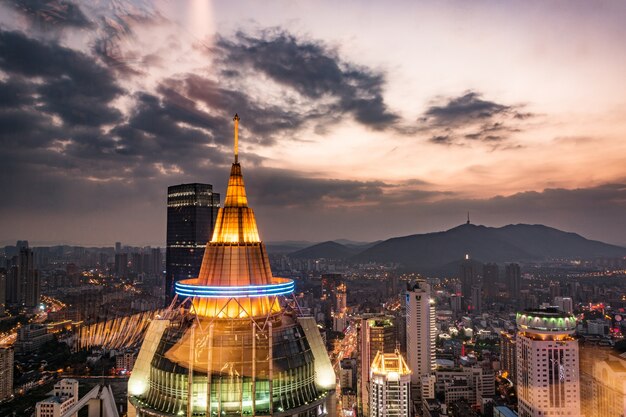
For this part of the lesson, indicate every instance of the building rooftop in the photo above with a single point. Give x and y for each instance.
(385, 363)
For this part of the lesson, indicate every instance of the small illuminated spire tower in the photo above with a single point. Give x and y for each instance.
(233, 345)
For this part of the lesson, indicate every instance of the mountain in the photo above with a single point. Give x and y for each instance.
(520, 242)
(286, 246)
(328, 250)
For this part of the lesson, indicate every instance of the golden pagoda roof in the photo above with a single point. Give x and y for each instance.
(235, 261)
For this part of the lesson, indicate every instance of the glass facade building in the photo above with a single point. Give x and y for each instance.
(191, 215)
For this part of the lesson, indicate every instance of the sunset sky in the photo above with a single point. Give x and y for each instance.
(359, 119)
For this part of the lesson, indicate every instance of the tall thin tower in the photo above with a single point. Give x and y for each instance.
(420, 331)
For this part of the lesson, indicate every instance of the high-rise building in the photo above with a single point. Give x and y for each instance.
(467, 276)
(508, 355)
(233, 346)
(23, 286)
(191, 215)
(564, 304)
(121, 264)
(375, 334)
(390, 381)
(421, 332)
(513, 278)
(491, 278)
(3, 291)
(6, 373)
(547, 364)
(64, 396)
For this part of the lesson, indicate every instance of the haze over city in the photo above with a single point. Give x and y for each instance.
(359, 121)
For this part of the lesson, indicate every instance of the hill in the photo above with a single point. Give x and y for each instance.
(328, 250)
(521, 242)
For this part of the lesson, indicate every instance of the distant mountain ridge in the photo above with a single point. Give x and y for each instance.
(434, 251)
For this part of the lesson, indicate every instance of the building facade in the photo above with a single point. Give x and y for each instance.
(421, 331)
(547, 364)
(64, 396)
(508, 357)
(6, 373)
(390, 386)
(375, 334)
(191, 215)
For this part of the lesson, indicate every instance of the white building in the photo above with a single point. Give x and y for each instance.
(564, 304)
(6, 373)
(64, 396)
(547, 364)
(421, 331)
(390, 381)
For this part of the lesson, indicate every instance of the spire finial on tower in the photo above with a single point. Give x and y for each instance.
(468, 220)
(236, 120)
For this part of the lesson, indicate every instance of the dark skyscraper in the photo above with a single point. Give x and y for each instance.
(491, 278)
(513, 278)
(191, 214)
(23, 287)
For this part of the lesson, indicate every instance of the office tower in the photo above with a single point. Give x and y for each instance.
(3, 291)
(121, 264)
(476, 305)
(564, 304)
(420, 330)
(232, 347)
(375, 334)
(456, 303)
(6, 373)
(64, 396)
(508, 355)
(491, 278)
(341, 298)
(390, 380)
(23, 287)
(513, 278)
(467, 276)
(547, 364)
(156, 261)
(191, 215)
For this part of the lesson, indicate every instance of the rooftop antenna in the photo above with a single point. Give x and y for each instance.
(468, 219)
(236, 120)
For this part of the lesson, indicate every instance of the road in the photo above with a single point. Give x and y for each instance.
(343, 349)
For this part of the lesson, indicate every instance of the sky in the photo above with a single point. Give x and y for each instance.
(359, 119)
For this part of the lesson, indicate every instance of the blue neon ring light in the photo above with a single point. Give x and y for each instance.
(202, 291)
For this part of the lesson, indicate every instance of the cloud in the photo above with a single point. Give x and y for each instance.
(52, 14)
(470, 118)
(68, 83)
(314, 71)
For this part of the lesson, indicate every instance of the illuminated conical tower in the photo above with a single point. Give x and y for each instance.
(231, 343)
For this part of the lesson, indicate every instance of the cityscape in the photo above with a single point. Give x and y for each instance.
(214, 214)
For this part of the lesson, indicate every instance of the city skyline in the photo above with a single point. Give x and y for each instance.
(417, 116)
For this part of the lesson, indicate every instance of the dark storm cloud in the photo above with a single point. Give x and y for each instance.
(51, 14)
(72, 85)
(287, 188)
(314, 71)
(470, 118)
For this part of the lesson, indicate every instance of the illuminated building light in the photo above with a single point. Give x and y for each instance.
(204, 291)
